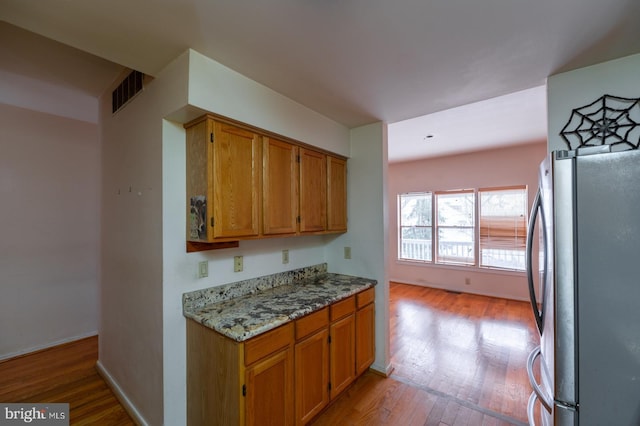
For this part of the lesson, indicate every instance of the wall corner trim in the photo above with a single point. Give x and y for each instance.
(122, 397)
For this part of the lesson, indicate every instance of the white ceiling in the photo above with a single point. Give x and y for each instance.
(355, 61)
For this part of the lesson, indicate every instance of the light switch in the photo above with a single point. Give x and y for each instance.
(203, 269)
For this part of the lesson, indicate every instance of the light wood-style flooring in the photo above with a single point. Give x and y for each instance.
(64, 374)
(458, 359)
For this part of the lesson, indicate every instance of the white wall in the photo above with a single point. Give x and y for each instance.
(501, 167)
(581, 87)
(368, 227)
(49, 187)
(131, 326)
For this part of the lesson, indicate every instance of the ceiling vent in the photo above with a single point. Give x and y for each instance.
(130, 86)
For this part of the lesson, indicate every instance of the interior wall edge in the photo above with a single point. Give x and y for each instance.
(120, 395)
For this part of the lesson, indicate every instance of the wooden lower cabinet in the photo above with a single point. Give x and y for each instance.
(365, 331)
(269, 391)
(239, 383)
(342, 354)
(311, 365)
(285, 376)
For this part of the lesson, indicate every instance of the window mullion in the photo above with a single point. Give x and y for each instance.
(476, 226)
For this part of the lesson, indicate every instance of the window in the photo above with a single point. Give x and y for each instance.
(456, 225)
(416, 230)
(503, 227)
(483, 228)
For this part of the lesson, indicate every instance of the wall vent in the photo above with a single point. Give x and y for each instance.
(130, 86)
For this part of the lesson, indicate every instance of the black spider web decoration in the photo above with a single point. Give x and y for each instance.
(610, 120)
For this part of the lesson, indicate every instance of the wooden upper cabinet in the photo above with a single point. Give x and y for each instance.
(237, 164)
(243, 183)
(224, 165)
(313, 191)
(336, 194)
(280, 187)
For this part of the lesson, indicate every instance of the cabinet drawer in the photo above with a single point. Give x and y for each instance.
(267, 343)
(365, 297)
(343, 308)
(311, 323)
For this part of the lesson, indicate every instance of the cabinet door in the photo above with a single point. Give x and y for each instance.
(336, 194)
(269, 391)
(280, 187)
(313, 191)
(342, 354)
(365, 338)
(236, 173)
(311, 376)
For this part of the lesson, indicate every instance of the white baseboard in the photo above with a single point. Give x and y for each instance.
(480, 292)
(47, 345)
(384, 371)
(122, 397)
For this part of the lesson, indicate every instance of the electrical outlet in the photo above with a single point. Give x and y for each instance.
(347, 252)
(237, 264)
(203, 269)
(285, 256)
(467, 281)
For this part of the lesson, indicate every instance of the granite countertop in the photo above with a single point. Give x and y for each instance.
(246, 316)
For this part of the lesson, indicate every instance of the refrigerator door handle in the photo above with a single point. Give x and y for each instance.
(537, 205)
(536, 387)
(531, 405)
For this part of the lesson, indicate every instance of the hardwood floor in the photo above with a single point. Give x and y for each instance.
(459, 359)
(67, 374)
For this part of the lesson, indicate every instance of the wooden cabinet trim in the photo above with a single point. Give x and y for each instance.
(267, 343)
(343, 308)
(311, 323)
(365, 297)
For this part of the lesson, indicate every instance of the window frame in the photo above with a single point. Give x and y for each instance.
(442, 259)
(476, 228)
(401, 227)
(523, 228)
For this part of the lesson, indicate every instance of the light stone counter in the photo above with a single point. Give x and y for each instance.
(245, 309)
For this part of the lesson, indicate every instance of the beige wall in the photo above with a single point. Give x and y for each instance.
(49, 238)
(501, 167)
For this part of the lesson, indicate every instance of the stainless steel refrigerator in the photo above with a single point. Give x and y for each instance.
(585, 294)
